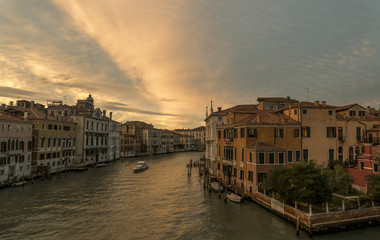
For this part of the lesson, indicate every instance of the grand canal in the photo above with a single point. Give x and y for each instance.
(161, 203)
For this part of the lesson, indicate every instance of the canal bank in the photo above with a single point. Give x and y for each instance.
(160, 203)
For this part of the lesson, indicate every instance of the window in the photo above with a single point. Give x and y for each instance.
(235, 154)
(250, 156)
(290, 156)
(219, 118)
(235, 133)
(331, 112)
(331, 132)
(352, 113)
(261, 158)
(376, 167)
(252, 133)
(305, 154)
(43, 126)
(42, 156)
(275, 107)
(281, 158)
(298, 156)
(306, 132)
(48, 156)
(340, 134)
(241, 174)
(50, 126)
(250, 176)
(304, 111)
(295, 111)
(242, 132)
(340, 153)
(242, 154)
(271, 158)
(279, 132)
(331, 155)
(296, 132)
(358, 134)
(361, 165)
(219, 134)
(55, 127)
(235, 172)
(361, 113)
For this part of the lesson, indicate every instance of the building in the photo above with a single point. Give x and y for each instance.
(167, 141)
(368, 163)
(113, 139)
(15, 149)
(251, 144)
(131, 137)
(151, 141)
(93, 138)
(53, 140)
(333, 133)
(274, 103)
(198, 134)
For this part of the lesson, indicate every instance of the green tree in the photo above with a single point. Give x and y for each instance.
(302, 182)
(373, 185)
(339, 180)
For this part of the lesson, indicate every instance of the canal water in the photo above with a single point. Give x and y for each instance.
(160, 203)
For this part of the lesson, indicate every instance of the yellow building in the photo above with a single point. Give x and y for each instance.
(251, 144)
(333, 133)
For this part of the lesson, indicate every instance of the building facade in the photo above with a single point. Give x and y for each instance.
(15, 149)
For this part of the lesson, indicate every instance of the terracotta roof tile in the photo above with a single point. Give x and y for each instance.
(264, 147)
(268, 117)
(342, 108)
(277, 99)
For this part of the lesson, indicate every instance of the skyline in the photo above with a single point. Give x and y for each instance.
(163, 61)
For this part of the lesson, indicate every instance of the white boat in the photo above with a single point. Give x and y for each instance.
(100, 165)
(141, 166)
(216, 185)
(234, 198)
(16, 184)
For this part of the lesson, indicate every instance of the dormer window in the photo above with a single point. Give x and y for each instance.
(352, 113)
(274, 106)
(361, 113)
(331, 112)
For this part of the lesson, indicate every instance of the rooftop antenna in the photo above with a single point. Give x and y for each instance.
(307, 93)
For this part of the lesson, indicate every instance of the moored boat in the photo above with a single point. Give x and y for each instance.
(100, 165)
(216, 185)
(16, 184)
(234, 198)
(141, 166)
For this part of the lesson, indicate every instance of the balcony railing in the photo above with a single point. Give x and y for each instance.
(228, 162)
(228, 140)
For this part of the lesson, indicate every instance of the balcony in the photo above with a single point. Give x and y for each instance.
(228, 140)
(341, 139)
(227, 162)
(242, 164)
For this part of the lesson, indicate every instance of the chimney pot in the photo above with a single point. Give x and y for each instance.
(316, 103)
(219, 109)
(110, 115)
(324, 103)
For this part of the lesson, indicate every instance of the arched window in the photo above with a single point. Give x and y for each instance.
(340, 153)
(351, 156)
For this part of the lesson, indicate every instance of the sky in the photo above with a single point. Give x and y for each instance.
(163, 61)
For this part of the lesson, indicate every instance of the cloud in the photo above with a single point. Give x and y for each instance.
(10, 92)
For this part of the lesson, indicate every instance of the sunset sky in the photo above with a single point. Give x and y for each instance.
(162, 61)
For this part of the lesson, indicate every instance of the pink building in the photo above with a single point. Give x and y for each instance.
(368, 163)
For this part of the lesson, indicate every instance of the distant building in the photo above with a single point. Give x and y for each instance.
(198, 134)
(131, 137)
(15, 148)
(274, 103)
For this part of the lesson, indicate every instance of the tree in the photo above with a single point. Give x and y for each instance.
(338, 178)
(373, 185)
(302, 182)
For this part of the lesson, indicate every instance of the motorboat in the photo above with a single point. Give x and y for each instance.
(141, 166)
(216, 185)
(234, 198)
(100, 165)
(16, 184)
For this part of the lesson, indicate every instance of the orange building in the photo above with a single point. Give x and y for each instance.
(252, 143)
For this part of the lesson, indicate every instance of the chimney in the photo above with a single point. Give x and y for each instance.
(206, 111)
(104, 113)
(110, 115)
(219, 109)
(211, 109)
(316, 103)
(324, 103)
(288, 98)
(25, 115)
(32, 104)
(3, 106)
(367, 150)
(11, 103)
